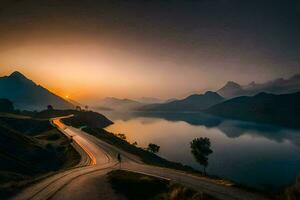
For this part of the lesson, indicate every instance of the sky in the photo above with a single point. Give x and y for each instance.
(129, 49)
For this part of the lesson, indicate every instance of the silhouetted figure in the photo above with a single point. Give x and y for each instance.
(119, 159)
(50, 107)
(71, 138)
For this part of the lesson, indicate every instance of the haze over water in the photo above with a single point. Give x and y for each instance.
(261, 156)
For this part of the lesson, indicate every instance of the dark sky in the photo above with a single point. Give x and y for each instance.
(197, 45)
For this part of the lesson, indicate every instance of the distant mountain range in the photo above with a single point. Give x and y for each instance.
(198, 102)
(27, 95)
(117, 104)
(277, 86)
(149, 100)
(112, 103)
(195, 102)
(281, 109)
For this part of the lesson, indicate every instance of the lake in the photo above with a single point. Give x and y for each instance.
(260, 156)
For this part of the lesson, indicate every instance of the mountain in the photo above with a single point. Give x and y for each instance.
(277, 86)
(6, 105)
(150, 100)
(170, 100)
(195, 102)
(27, 95)
(281, 109)
(112, 103)
(230, 89)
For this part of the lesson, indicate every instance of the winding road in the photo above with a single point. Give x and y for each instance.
(98, 158)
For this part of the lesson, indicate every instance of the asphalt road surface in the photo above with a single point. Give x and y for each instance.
(98, 158)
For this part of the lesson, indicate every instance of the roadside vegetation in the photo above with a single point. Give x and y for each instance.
(153, 148)
(135, 186)
(200, 148)
(31, 148)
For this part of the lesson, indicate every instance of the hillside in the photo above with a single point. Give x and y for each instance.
(6, 105)
(150, 100)
(195, 102)
(230, 89)
(27, 95)
(88, 118)
(29, 148)
(267, 108)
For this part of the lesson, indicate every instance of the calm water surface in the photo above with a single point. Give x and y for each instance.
(260, 156)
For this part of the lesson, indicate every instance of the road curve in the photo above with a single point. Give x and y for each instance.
(98, 158)
(93, 159)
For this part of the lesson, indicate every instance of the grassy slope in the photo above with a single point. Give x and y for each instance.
(29, 148)
(136, 186)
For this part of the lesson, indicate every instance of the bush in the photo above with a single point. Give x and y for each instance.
(153, 148)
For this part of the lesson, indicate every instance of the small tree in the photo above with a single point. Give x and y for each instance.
(78, 108)
(153, 148)
(200, 148)
(122, 136)
(50, 107)
(135, 143)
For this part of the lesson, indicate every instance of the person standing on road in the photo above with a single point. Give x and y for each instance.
(119, 159)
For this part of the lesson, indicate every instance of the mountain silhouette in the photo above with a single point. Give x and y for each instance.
(230, 89)
(112, 103)
(277, 86)
(150, 100)
(6, 105)
(195, 102)
(281, 109)
(27, 95)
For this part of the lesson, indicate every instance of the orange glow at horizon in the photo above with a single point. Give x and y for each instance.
(92, 70)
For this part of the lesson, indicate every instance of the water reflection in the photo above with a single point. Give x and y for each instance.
(261, 156)
(232, 128)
